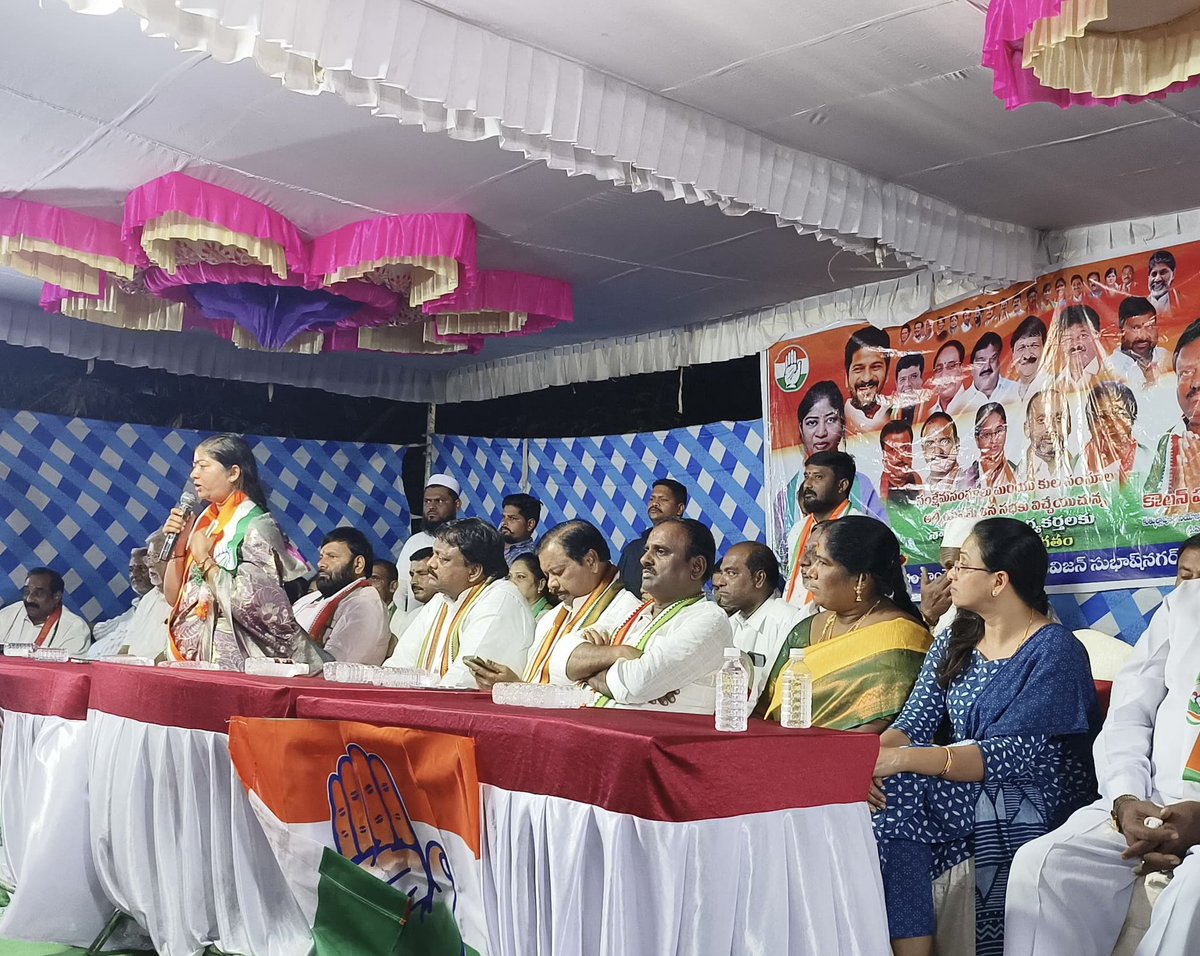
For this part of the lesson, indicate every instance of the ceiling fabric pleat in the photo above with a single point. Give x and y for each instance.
(407, 61)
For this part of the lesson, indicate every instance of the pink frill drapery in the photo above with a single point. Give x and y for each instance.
(510, 303)
(191, 254)
(1040, 51)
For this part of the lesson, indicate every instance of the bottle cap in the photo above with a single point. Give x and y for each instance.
(732, 654)
(796, 654)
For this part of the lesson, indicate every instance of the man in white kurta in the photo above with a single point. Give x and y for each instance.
(665, 656)
(357, 630)
(440, 504)
(748, 586)
(422, 592)
(345, 615)
(577, 563)
(40, 617)
(476, 613)
(1069, 891)
(112, 636)
(147, 634)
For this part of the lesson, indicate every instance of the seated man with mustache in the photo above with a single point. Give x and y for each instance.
(345, 615)
(666, 653)
(476, 613)
(40, 617)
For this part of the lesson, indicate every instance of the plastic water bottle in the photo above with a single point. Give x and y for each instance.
(733, 693)
(797, 683)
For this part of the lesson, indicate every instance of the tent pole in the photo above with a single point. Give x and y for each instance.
(430, 428)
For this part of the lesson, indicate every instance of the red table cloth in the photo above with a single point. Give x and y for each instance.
(670, 767)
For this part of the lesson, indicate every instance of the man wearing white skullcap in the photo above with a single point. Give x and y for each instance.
(935, 594)
(441, 504)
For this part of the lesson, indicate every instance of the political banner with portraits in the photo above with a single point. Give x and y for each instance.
(1071, 402)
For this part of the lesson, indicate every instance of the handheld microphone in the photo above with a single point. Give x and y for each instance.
(187, 504)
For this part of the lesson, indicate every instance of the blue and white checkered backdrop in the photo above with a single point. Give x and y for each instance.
(76, 495)
(606, 481)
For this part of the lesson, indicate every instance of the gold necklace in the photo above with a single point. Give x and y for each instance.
(1028, 628)
(827, 631)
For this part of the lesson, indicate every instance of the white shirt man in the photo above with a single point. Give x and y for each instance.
(422, 592)
(1006, 392)
(112, 636)
(40, 617)
(663, 658)
(147, 633)
(441, 502)
(570, 620)
(762, 635)
(1069, 891)
(476, 613)
(577, 563)
(357, 629)
(345, 615)
(746, 584)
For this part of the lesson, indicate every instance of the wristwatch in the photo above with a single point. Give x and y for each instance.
(1115, 813)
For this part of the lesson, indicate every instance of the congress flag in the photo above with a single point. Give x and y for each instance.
(376, 829)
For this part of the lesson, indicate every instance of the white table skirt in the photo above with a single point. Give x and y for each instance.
(171, 839)
(177, 845)
(563, 878)
(45, 853)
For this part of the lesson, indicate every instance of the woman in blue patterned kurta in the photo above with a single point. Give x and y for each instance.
(1017, 693)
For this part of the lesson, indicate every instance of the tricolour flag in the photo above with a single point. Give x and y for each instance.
(376, 829)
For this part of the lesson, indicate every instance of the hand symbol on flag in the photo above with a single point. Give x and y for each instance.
(372, 828)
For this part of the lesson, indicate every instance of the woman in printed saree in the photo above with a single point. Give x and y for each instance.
(225, 579)
(866, 647)
(1017, 692)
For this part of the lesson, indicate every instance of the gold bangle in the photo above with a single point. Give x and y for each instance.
(949, 761)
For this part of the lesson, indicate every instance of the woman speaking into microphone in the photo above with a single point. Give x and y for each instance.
(225, 579)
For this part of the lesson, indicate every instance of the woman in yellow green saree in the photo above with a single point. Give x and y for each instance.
(866, 647)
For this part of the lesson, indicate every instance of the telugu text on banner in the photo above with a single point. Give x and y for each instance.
(1071, 402)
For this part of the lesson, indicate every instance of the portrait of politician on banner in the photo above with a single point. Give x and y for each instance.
(1071, 402)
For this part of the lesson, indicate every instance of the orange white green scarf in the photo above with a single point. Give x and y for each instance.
(449, 645)
(1191, 770)
(656, 622)
(595, 604)
(226, 525)
(809, 523)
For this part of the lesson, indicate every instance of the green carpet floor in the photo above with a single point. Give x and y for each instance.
(8, 948)
(35, 949)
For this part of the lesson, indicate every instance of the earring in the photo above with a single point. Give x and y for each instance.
(858, 589)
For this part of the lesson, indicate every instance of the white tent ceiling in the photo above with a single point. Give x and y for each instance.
(90, 108)
(891, 87)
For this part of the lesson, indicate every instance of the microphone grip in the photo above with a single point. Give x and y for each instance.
(170, 540)
(168, 547)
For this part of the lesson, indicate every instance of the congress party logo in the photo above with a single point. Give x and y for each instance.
(791, 369)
